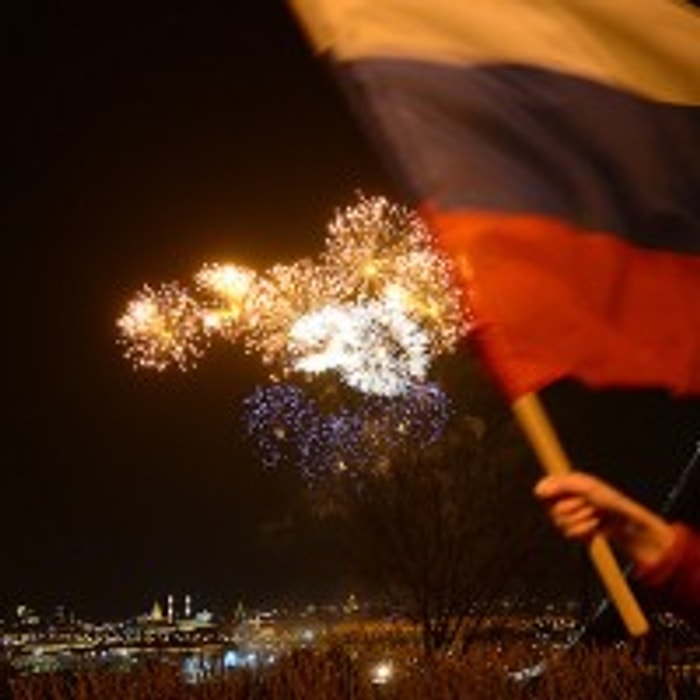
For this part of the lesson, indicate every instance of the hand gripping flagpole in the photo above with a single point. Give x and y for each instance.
(537, 427)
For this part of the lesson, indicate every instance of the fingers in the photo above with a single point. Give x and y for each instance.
(581, 506)
(573, 483)
(577, 503)
(598, 493)
(575, 518)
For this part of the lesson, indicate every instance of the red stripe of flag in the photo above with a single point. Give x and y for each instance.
(553, 300)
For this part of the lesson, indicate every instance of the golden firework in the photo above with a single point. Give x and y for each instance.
(226, 288)
(162, 327)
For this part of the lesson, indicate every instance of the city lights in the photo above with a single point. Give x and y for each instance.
(382, 672)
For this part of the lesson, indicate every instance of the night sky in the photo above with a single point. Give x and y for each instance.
(145, 140)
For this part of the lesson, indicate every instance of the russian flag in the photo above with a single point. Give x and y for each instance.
(554, 145)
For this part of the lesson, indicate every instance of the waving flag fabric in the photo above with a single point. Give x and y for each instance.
(554, 145)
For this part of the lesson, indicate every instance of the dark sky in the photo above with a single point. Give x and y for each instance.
(144, 140)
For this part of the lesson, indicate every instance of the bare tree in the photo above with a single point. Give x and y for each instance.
(435, 528)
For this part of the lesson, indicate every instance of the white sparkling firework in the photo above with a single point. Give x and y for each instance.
(376, 348)
(162, 327)
(288, 426)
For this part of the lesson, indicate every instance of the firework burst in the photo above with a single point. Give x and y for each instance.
(375, 308)
(226, 289)
(375, 348)
(279, 297)
(289, 426)
(162, 327)
(376, 250)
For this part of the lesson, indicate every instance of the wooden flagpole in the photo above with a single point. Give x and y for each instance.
(536, 425)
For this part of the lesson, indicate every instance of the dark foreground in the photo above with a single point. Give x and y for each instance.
(341, 672)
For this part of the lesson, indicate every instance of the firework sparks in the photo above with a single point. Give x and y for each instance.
(162, 327)
(378, 250)
(376, 307)
(364, 241)
(277, 299)
(375, 348)
(287, 425)
(363, 321)
(227, 289)
(227, 282)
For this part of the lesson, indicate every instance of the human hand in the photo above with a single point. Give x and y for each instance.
(582, 506)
